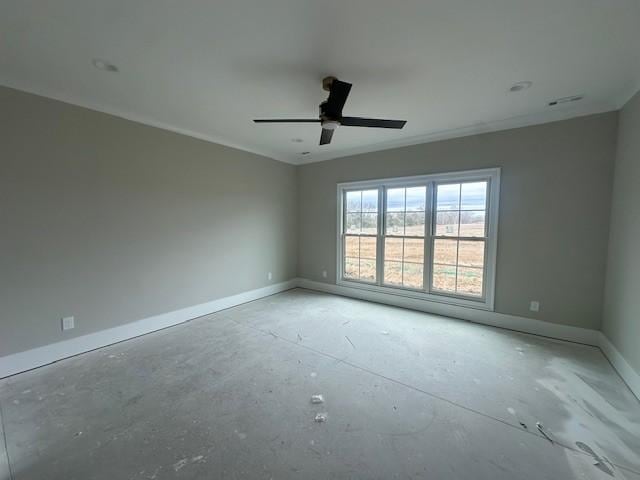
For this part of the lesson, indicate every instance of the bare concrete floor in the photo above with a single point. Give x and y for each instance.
(407, 395)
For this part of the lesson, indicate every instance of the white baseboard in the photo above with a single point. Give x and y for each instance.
(37, 357)
(494, 319)
(521, 324)
(626, 371)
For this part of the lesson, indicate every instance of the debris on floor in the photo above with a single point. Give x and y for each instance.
(601, 463)
(316, 399)
(349, 340)
(321, 417)
(541, 429)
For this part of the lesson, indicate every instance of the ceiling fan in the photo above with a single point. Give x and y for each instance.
(331, 113)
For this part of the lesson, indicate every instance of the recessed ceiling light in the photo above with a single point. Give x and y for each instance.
(297, 140)
(104, 65)
(518, 87)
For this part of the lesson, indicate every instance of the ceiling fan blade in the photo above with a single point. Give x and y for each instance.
(287, 120)
(371, 122)
(337, 98)
(325, 136)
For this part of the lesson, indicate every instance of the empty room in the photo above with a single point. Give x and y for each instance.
(286, 239)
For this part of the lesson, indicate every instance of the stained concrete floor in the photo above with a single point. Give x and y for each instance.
(407, 395)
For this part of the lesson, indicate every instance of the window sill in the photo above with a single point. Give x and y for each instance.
(480, 304)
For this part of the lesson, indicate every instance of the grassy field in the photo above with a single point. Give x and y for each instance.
(458, 264)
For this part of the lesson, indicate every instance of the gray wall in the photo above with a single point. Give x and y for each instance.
(112, 221)
(554, 210)
(622, 300)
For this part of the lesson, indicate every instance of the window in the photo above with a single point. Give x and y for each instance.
(361, 235)
(431, 237)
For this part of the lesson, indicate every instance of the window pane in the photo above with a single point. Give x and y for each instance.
(351, 246)
(395, 223)
(472, 224)
(368, 248)
(448, 197)
(393, 273)
(471, 254)
(351, 268)
(353, 201)
(412, 275)
(352, 223)
(370, 223)
(473, 196)
(444, 278)
(416, 198)
(395, 199)
(447, 224)
(370, 201)
(393, 249)
(469, 281)
(445, 251)
(413, 250)
(367, 270)
(414, 224)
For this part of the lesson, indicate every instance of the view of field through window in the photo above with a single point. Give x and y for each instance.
(449, 217)
(405, 211)
(459, 241)
(361, 228)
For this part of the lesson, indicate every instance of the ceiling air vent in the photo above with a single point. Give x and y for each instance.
(573, 98)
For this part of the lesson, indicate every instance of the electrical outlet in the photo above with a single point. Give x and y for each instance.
(324, 274)
(534, 306)
(68, 323)
(269, 276)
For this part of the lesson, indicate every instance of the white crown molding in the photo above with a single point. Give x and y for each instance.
(627, 94)
(38, 357)
(554, 114)
(551, 115)
(78, 102)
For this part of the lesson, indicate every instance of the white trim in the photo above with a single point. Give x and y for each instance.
(626, 95)
(626, 371)
(142, 119)
(491, 175)
(494, 319)
(37, 357)
(585, 336)
(549, 115)
(545, 116)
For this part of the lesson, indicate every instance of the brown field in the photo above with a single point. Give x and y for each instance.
(404, 263)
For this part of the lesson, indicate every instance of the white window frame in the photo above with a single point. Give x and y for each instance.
(485, 302)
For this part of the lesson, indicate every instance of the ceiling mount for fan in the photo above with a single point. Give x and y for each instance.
(331, 118)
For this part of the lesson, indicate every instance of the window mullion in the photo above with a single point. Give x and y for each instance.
(382, 193)
(426, 258)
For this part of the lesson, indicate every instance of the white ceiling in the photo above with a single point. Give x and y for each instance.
(207, 68)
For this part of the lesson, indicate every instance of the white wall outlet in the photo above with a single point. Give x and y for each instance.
(269, 276)
(324, 274)
(534, 306)
(68, 323)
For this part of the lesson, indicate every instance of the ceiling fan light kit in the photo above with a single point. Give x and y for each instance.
(331, 118)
